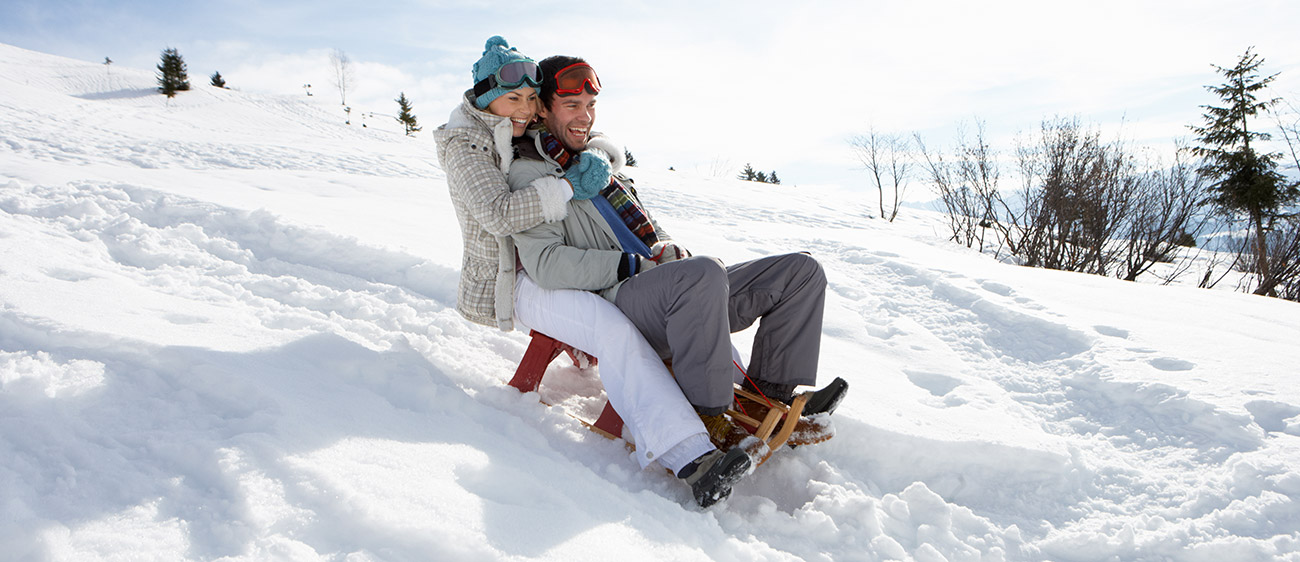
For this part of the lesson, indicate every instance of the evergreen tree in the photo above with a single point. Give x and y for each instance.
(748, 174)
(404, 116)
(217, 80)
(171, 73)
(760, 177)
(1246, 181)
(773, 179)
(631, 161)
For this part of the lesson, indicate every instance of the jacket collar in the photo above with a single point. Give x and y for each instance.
(468, 115)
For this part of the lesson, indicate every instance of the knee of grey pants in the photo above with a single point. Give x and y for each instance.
(681, 308)
(786, 294)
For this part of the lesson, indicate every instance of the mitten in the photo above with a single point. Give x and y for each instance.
(590, 175)
(666, 251)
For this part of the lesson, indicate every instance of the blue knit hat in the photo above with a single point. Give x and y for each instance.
(496, 53)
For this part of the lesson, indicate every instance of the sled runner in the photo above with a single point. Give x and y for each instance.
(773, 422)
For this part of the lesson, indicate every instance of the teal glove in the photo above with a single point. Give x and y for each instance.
(590, 175)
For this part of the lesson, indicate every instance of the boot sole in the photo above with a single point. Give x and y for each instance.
(721, 476)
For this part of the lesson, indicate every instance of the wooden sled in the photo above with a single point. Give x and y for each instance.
(776, 428)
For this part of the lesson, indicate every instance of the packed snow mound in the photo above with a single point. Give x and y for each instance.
(227, 332)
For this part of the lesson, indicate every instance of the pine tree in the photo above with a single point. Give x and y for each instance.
(748, 174)
(631, 160)
(217, 80)
(1246, 181)
(773, 179)
(405, 116)
(171, 73)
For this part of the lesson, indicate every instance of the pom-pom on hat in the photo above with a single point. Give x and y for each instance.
(496, 53)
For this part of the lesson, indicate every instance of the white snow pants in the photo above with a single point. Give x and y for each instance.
(638, 385)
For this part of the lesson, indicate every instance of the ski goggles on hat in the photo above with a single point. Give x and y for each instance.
(573, 79)
(510, 76)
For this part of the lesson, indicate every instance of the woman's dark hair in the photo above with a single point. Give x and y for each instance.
(549, 66)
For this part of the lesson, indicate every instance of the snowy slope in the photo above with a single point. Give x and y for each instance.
(226, 333)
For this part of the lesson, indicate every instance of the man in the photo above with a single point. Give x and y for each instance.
(686, 307)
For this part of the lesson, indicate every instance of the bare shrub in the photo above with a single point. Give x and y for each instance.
(1083, 205)
(889, 159)
(967, 187)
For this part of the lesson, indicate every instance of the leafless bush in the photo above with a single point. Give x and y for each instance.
(1286, 260)
(1283, 258)
(1084, 205)
(1078, 194)
(967, 187)
(889, 159)
(1165, 214)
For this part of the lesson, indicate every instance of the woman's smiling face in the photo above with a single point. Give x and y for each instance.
(520, 105)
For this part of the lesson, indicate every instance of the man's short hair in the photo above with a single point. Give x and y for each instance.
(550, 66)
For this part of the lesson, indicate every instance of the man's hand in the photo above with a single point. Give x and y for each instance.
(590, 175)
(666, 251)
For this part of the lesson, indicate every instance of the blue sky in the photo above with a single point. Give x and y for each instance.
(711, 86)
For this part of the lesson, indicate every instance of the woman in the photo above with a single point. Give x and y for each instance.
(475, 149)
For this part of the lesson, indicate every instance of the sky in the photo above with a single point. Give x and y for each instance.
(713, 86)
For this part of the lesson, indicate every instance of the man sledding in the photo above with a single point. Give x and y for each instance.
(685, 306)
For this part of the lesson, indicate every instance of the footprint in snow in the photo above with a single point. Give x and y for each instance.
(1111, 331)
(997, 288)
(934, 383)
(1171, 364)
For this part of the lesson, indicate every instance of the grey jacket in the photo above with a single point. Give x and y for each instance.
(579, 252)
(474, 149)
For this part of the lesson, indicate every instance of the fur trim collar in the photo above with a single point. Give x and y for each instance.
(468, 116)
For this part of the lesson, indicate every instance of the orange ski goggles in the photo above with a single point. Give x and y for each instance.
(573, 79)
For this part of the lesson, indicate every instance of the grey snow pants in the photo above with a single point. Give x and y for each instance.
(687, 309)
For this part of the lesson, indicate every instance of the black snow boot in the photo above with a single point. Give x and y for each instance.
(822, 401)
(712, 474)
(825, 401)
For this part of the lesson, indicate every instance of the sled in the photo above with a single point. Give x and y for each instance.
(780, 425)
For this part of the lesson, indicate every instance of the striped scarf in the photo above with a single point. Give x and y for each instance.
(623, 199)
(620, 196)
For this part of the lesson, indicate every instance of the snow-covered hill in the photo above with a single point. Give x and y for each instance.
(226, 333)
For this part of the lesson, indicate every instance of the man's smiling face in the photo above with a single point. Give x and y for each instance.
(570, 119)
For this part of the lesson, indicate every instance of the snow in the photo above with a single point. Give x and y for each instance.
(227, 333)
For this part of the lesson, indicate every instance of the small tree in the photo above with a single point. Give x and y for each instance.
(404, 115)
(341, 66)
(217, 80)
(889, 159)
(631, 160)
(1245, 181)
(171, 73)
(750, 174)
